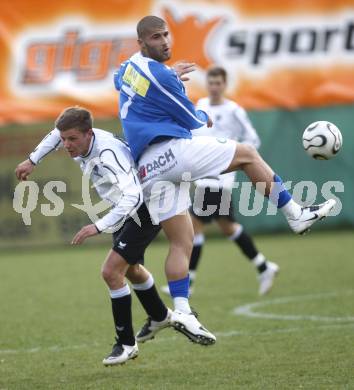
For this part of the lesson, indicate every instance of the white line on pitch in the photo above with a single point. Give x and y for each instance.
(248, 310)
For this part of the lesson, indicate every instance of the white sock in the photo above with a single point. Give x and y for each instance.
(258, 260)
(192, 275)
(236, 234)
(291, 210)
(149, 282)
(182, 304)
(120, 292)
(198, 239)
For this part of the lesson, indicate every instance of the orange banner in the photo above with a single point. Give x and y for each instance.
(289, 53)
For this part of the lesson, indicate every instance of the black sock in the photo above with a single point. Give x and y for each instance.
(122, 315)
(193, 264)
(245, 242)
(262, 267)
(152, 303)
(247, 246)
(195, 257)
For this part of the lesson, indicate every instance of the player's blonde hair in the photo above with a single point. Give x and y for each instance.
(74, 118)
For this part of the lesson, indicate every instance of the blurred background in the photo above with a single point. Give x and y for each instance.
(289, 63)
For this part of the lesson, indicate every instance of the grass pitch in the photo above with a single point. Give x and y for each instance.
(56, 326)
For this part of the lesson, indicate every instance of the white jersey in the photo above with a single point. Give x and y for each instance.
(229, 121)
(111, 169)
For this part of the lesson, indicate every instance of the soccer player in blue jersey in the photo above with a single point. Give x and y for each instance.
(157, 119)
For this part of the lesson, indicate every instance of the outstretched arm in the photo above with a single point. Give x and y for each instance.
(24, 169)
(48, 144)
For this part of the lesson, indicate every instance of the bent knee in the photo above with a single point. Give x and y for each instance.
(111, 274)
(249, 151)
(183, 247)
(228, 228)
(134, 272)
(245, 154)
(107, 273)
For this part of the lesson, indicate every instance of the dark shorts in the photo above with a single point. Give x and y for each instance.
(132, 240)
(213, 198)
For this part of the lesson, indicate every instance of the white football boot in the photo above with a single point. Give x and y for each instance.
(266, 278)
(151, 327)
(309, 215)
(192, 328)
(120, 354)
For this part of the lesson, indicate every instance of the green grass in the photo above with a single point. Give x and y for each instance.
(56, 326)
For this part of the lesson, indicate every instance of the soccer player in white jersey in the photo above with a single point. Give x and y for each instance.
(157, 119)
(108, 162)
(229, 121)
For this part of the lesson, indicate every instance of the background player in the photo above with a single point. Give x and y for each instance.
(229, 121)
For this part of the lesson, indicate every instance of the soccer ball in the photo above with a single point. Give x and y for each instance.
(322, 140)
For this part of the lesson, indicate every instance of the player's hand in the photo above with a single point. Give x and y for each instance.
(85, 232)
(24, 169)
(183, 68)
(209, 122)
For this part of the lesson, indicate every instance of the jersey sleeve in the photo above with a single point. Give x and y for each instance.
(49, 143)
(172, 97)
(203, 130)
(248, 132)
(118, 74)
(125, 192)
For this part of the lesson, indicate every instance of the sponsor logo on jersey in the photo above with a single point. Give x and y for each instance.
(159, 162)
(142, 172)
(138, 83)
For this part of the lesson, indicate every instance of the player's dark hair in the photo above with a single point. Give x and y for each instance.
(216, 71)
(74, 118)
(149, 23)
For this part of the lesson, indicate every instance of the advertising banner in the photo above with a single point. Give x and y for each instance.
(279, 54)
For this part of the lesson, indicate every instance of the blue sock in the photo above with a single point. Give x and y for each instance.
(279, 195)
(179, 288)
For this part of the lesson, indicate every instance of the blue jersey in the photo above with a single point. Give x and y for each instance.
(153, 103)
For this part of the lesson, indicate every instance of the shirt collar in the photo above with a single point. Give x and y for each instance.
(90, 147)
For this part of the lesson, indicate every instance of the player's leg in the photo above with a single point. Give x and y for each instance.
(267, 270)
(205, 210)
(299, 218)
(162, 168)
(208, 157)
(113, 273)
(177, 262)
(131, 243)
(144, 286)
(179, 232)
(159, 315)
(198, 241)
